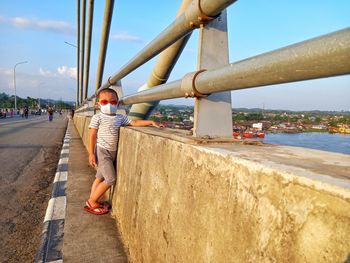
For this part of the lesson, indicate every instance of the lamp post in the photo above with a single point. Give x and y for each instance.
(14, 81)
(78, 54)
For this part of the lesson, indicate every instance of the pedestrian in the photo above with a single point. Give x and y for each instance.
(26, 110)
(21, 111)
(50, 111)
(104, 133)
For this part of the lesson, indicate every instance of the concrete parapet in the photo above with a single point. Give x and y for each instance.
(178, 201)
(81, 123)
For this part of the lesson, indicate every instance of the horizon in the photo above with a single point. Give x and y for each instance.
(191, 106)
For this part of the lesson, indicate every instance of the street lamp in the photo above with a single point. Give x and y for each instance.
(14, 81)
(78, 55)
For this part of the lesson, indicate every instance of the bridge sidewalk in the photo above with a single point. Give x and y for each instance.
(87, 237)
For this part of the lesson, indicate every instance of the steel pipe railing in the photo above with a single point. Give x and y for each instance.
(321, 57)
(161, 71)
(197, 13)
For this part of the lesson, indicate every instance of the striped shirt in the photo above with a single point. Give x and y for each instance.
(108, 129)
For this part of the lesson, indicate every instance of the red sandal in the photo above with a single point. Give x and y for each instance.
(96, 210)
(105, 204)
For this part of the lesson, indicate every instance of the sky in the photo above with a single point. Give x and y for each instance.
(35, 31)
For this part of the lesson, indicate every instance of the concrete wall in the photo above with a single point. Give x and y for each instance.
(179, 202)
(82, 125)
(183, 200)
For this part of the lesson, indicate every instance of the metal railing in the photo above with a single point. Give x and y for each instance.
(321, 57)
(325, 56)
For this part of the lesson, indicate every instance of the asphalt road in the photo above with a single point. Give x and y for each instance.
(29, 152)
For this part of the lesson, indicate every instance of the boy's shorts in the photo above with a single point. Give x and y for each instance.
(105, 165)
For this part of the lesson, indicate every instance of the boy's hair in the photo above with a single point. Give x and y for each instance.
(106, 90)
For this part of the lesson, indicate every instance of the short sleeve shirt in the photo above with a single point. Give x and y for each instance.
(108, 129)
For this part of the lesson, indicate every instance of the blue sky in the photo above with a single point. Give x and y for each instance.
(35, 31)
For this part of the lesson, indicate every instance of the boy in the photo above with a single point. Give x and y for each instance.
(104, 133)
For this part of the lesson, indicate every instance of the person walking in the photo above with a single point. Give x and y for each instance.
(26, 110)
(50, 111)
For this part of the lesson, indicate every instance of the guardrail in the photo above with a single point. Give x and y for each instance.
(324, 56)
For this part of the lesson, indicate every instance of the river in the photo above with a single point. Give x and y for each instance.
(331, 142)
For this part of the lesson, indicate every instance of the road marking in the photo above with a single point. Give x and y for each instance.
(64, 151)
(50, 249)
(56, 208)
(60, 177)
(63, 161)
(56, 261)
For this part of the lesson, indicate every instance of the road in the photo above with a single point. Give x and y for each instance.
(29, 152)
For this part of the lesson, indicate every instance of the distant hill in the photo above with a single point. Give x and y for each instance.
(256, 110)
(7, 101)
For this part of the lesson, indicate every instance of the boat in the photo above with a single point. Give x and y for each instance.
(236, 133)
(260, 134)
(248, 134)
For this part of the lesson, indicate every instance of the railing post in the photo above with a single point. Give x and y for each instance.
(213, 114)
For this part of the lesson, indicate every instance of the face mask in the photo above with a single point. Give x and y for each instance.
(109, 108)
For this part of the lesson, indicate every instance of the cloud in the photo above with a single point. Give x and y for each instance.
(62, 71)
(65, 71)
(41, 25)
(125, 36)
(6, 72)
(46, 73)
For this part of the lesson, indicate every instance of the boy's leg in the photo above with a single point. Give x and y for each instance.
(105, 175)
(95, 184)
(99, 191)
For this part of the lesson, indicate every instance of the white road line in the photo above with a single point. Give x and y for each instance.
(56, 208)
(63, 161)
(60, 177)
(56, 261)
(64, 151)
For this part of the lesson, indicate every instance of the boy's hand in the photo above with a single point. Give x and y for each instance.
(157, 125)
(92, 160)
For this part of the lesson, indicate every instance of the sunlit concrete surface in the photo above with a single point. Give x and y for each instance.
(178, 201)
(185, 199)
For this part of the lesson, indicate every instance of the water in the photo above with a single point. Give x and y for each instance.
(315, 140)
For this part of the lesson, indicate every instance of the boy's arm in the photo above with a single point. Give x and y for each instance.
(92, 144)
(142, 123)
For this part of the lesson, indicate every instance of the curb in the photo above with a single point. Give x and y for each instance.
(50, 248)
